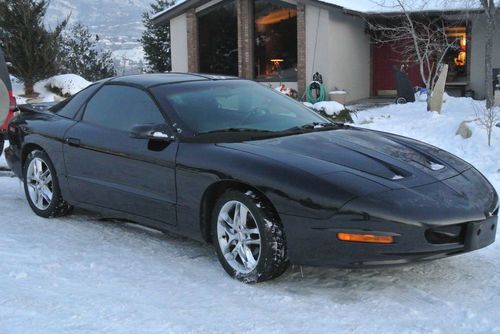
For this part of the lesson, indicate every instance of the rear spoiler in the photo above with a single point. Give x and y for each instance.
(35, 107)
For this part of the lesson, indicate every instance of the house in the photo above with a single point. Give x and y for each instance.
(287, 41)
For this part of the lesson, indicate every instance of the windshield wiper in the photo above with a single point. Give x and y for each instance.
(313, 126)
(235, 130)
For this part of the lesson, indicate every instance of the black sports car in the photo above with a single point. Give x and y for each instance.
(267, 180)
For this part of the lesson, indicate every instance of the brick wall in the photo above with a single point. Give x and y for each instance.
(246, 41)
(301, 47)
(245, 38)
(192, 40)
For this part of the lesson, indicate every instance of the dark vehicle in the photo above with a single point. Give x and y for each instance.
(268, 181)
(7, 100)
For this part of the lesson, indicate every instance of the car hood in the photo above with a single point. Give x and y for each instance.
(391, 160)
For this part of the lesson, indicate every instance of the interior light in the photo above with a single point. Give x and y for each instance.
(276, 16)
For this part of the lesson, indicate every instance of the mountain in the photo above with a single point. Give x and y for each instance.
(117, 22)
(109, 18)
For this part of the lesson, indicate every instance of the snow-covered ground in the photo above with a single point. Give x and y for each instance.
(82, 275)
(68, 84)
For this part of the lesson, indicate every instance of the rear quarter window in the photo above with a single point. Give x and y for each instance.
(121, 107)
(73, 105)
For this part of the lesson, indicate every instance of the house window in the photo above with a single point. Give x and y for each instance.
(457, 57)
(275, 41)
(218, 39)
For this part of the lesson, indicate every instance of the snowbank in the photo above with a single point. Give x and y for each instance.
(68, 84)
(329, 107)
(17, 89)
(412, 120)
(65, 84)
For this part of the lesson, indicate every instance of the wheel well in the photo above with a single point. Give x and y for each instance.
(27, 149)
(210, 198)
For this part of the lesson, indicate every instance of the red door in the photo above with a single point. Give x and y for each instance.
(383, 61)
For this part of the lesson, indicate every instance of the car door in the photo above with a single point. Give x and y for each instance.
(107, 168)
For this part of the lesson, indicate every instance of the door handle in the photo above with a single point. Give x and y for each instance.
(73, 142)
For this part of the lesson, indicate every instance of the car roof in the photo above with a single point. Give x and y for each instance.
(157, 79)
(4, 73)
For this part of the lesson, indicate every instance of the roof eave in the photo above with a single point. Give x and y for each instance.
(164, 17)
(424, 12)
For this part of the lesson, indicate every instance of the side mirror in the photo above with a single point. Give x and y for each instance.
(158, 132)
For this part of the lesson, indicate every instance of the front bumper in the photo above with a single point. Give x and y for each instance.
(315, 242)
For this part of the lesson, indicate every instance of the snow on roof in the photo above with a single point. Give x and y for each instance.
(177, 4)
(386, 6)
(390, 6)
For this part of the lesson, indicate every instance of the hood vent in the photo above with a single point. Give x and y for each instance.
(434, 166)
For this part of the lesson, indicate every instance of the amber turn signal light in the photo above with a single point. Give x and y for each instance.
(376, 239)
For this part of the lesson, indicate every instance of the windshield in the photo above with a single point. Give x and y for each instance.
(234, 105)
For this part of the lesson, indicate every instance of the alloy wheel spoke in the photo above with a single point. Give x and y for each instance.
(242, 254)
(38, 168)
(243, 213)
(252, 241)
(230, 256)
(228, 220)
(236, 217)
(39, 198)
(44, 175)
(249, 231)
(46, 194)
(250, 259)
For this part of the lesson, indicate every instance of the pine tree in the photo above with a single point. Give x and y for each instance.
(156, 39)
(80, 55)
(31, 48)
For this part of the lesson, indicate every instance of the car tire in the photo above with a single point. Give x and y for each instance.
(41, 186)
(401, 100)
(249, 241)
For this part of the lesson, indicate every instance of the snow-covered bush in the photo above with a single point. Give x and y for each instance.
(66, 85)
(331, 110)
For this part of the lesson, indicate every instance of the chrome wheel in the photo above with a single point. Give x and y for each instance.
(239, 237)
(39, 182)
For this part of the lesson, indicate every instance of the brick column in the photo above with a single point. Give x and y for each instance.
(192, 41)
(301, 47)
(245, 38)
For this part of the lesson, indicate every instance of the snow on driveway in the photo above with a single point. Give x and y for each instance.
(82, 275)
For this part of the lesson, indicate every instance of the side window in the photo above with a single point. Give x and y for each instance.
(121, 107)
(70, 107)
